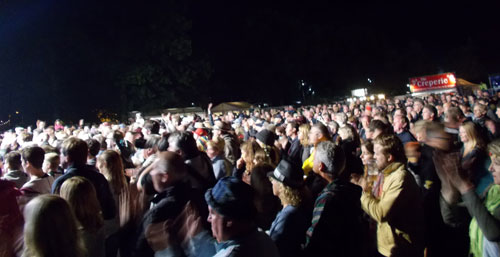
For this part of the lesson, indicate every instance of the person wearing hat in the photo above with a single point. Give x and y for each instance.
(201, 137)
(288, 229)
(336, 226)
(232, 216)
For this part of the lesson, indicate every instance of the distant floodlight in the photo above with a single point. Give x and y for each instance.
(381, 96)
(372, 97)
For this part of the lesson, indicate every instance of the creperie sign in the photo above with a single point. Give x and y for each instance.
(433, 82)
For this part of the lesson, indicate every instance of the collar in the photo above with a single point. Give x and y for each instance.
(392, 167)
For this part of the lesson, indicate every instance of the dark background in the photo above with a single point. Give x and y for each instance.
(74, 59)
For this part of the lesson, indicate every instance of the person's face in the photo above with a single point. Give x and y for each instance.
(418, 106)
(289, 130)
(218, 224)
(366, 156)
(478, 113)
(463, 135)
(397, 123)
(365, 122)
(495, 169)
(212, 152)
(276, 188)
(426, 114)
(498, 112)
(160, 179)
(314, 135)
(382, 160)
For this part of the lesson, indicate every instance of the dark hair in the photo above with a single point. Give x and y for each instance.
(185, 142)
(323, 129)
(34, 155)
(94, 146)
(380, 125)
(368, 144)
(152, 126)
(432, 109)
(75, 149)
(13, 159)
(163, 143)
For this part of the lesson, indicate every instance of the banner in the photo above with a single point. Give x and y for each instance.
(433, 82)
(495, 81)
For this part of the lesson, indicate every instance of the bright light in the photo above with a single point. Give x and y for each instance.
(360, 92)
(381, 96)
(369, 80)
(303, 83)
(192, 104)
(17, 112)
(372, 97)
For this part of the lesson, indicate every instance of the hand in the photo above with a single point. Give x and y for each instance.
(240, 163)
(448, 191)
(209, 107)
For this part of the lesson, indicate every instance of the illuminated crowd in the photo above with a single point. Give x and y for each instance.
(380, 176)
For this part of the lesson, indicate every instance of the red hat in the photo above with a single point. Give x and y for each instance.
(200, 132)
(368, 108)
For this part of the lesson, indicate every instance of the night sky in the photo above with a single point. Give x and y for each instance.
(72, 59)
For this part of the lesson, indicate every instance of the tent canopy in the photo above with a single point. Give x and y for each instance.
(231, 106)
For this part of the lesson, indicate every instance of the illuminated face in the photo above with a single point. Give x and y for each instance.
(217, 223)
(478, 113)
(289, 130)
(427, 114)
(366, 156)
(463, 135)
(314, 135)
(381, 159)
(495, 169)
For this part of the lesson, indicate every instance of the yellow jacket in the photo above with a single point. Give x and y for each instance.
(398, 213)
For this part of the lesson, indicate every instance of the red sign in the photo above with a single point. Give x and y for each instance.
(433, 82)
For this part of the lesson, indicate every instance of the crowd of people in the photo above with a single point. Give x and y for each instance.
(410, 176)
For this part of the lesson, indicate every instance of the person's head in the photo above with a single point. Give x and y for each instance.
(378, 127)
(94, 147)
(400, 123)
(265, 137)
(183, 143)
(110, 165)
(329, 161)
(367, 152)
(231, 208)
(341, 118)
(292, 128)
(436, 136)
(304, 134)
(469, 135)
(82, 197)
(152, 127)
(168, 169)
(388, 149)
(13, 160)
(51, 162)
(347, 132)
(365, 121)
(248, 150)
(50, 228)
(494, 149)
(418, 105)
(318, 133)
(287, 180)
(32, 157)
(479, 110)
(429, 113)
(75, 151)
(215, 148)
(454, 115)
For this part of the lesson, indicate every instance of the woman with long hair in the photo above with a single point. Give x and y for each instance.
(50, 229)
(303, 135)
(82, 198)
(245, 164)
(474, 159)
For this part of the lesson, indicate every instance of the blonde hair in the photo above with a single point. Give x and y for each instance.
(50, 229)
(111, 166)
(494, 148)
(53, 159)
(288, 195)
(304, 129)
(217, 144)
(82, 197)
(250, 148)
(475, 139)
